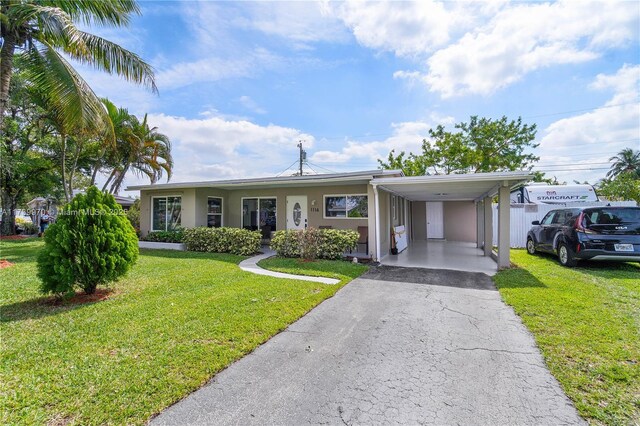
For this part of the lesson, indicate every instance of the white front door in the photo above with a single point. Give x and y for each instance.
(435, 219)
(297, 212)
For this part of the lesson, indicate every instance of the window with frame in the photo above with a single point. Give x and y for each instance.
(259, 213)
(214, 212)
(346, 206)
(166, 213)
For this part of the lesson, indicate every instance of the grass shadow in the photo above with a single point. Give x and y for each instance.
(45, 306)
(517, 277)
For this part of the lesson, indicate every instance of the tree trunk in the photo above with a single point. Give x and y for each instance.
(63, 139)
(9, 206)
(6, 70)
(106, 184)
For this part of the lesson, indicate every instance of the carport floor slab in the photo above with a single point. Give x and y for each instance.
(451, 255)
(443, 349)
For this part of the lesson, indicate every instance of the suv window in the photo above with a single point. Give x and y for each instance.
(548, 219)
(559, 217)
(608, 216)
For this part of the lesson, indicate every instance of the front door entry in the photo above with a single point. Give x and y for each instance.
(297, 212)
(435, 220)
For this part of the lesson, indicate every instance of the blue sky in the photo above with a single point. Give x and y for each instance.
(242, 82)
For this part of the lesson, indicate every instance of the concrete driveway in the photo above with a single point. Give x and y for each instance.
(398, 345)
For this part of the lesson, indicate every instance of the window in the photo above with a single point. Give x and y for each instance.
(214, 212)
(548, 218)
(259, 213)
(346, 206)
(166, 213)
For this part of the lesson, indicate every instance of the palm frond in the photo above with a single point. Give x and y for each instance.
(102, 12)
(112, 58)
(69, 97)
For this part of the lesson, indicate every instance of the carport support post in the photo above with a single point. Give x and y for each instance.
(376, 201)
(488, 226)
(479, 224)
(504, 223)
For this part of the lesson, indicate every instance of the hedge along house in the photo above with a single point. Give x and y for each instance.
(446, 218)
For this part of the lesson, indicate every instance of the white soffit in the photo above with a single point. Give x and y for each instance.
(460, 187)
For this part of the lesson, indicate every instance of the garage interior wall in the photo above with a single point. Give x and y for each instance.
(460, 221)
(419, 220)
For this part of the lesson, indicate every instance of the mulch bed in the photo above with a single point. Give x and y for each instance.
(5, 264)
(15, 237)
(81, 298)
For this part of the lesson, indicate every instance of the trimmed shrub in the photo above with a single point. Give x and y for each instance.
(309, 241)
(286, 243)
(222, 240)
(329, 243)
(165, 236)
(91, 243)
(335, 242)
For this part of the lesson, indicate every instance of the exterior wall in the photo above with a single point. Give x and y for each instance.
(201, 206)
(188, 203)
(419, 220)
(460, 221)
(194, 206)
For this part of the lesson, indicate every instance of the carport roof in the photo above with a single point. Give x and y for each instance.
(458, 187)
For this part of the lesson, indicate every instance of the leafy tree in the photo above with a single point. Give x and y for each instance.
(91, 243)
(481, 145)
(42, 32)
(143, 150)
(624, 187)
(26, 165)
(626, 160)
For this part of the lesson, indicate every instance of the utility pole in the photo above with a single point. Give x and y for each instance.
(303, 156)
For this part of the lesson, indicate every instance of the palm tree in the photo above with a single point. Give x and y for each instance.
(42, 31)
(625, 161)
(144, 151)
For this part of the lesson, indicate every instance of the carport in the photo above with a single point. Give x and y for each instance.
(479, 188)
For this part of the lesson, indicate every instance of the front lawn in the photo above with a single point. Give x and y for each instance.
(586, 321)
(166, 328)
(341, 270)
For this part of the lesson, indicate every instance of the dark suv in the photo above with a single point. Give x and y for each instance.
(607, 233)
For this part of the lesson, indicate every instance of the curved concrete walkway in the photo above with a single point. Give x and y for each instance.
(251, 265)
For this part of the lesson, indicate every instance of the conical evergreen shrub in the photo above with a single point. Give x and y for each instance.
(91, 243)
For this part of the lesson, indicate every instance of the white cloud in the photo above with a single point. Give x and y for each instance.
(478, 48)
(527, 37)
(299, 22)
(406, 136)
(251, 105)
(600, 133)
(215, 147)
(405, 28)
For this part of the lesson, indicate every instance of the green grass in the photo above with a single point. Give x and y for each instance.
(174, 321)
(586, 321)
(341, 270)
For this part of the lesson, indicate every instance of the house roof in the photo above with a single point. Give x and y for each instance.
(282, 181)
(455, 187)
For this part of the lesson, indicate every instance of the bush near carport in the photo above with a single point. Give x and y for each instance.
(330, 244)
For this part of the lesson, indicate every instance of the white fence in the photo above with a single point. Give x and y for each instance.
(523, 214)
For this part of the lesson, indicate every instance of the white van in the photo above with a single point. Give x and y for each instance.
(554, 194)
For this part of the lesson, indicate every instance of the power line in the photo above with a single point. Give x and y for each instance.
(581, 110)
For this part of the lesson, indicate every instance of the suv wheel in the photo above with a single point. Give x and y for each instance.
(565, 255)
(531, 246)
